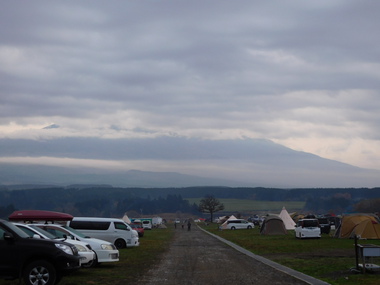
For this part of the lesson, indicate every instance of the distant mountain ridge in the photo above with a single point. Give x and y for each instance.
(31, 176)
(244, 162)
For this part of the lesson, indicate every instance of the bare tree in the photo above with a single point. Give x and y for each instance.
(209, 204)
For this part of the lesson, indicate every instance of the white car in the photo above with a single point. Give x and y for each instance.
(237, 224)
(105, 251)
(84, 249)
(112, 230)
(308, 228)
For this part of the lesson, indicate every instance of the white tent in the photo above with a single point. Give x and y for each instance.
(224, 225)
(126, 219)
(288, 221)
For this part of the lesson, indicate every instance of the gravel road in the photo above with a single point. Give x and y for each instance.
(198, 258)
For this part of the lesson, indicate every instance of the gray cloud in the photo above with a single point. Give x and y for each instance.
(305, 74)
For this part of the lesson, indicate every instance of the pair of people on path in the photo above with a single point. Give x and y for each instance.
(183, 225)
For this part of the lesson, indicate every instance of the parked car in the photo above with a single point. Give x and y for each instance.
(138, 228)
(104, 250)
(255, 220)
(237, 224)
(308, 228)
(36, 261)
(112, 230)
(84, 249)
(325, 225)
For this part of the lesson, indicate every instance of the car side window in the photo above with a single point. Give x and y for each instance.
(28, 231)
(2, 232)
(121, 226)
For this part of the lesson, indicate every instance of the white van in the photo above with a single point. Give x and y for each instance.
(115, 231)
(308, 228)
(237, 224)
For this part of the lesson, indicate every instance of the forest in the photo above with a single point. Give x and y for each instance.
(111, 201)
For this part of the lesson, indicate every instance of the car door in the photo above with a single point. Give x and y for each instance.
(8, 256)
(122, 230)
(244, 224)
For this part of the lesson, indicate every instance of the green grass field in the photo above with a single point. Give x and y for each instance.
(253, 206)
(327, 258)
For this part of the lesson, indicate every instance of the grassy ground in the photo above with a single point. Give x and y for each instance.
(328, 258)
(133, 263)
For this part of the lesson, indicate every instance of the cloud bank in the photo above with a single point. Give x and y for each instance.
(303, 74)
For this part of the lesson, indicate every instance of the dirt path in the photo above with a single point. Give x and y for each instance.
(196, 257)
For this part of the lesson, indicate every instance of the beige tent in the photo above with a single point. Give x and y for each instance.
(224, 225)
(288, 221)
(126, 219)
(362, 225)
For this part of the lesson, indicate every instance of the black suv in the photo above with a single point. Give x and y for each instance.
(37, 261)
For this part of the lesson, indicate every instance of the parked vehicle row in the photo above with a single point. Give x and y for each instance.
(36, 261)
(104, 251)
(35, 248)
(88, 257)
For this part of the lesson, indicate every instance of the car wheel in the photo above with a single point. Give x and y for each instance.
(120, 243)
(92, 263)
(233, 228)
(249, 227)
(39, 272)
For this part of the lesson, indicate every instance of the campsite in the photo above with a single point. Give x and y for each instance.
(329, 258)
(332, 257)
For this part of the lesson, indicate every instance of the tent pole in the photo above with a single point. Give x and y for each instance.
(356, 252)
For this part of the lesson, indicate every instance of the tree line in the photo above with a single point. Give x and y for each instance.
(113, 201)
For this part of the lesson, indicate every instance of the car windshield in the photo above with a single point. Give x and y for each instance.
(43, 232)
(79, 234)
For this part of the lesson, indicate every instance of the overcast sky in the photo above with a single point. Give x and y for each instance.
(305, 74)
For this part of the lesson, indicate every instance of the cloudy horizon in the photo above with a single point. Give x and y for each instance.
(303, 74)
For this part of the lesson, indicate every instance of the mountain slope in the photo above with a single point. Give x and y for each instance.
(175, 162)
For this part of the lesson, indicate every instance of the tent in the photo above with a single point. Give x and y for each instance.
(273, 225)
(367, 229)
(363, 225)
(126, 219)
(224, 225)
(288, 221)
